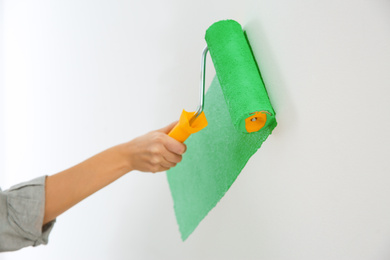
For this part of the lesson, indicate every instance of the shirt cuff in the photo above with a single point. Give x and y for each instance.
(26, 209)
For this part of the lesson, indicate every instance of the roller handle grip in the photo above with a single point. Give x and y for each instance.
(179, 133)
(182, 130)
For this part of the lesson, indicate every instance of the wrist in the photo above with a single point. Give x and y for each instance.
(125, 155)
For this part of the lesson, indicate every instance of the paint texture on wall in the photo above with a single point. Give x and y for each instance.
(215, 157)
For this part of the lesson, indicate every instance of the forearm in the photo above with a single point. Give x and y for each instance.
(67, 188)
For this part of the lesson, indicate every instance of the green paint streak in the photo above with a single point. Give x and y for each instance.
(215, 157)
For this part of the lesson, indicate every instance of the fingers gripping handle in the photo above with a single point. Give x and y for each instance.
(183, 129)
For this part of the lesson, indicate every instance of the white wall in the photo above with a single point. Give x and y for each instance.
(81, 76)
(2, 137)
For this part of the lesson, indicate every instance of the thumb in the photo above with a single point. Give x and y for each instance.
(168, 128)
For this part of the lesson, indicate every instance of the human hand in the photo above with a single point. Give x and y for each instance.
(154, 151)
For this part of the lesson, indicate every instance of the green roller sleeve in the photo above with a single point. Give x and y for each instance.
(237, 72)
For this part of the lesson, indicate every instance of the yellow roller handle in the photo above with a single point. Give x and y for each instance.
(183, 129)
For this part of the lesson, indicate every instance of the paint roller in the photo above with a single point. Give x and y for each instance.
(240, 81)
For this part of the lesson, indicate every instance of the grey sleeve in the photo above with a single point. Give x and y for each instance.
(22, 210)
